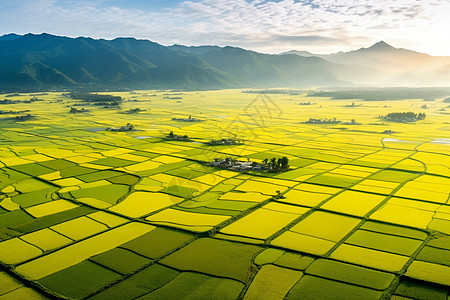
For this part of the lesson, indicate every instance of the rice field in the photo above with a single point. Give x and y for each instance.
(85, 213)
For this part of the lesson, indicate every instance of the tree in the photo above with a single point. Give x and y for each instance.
(278, 195)
(284, 163)
(171, 134)
(265, 161)
(273, 163)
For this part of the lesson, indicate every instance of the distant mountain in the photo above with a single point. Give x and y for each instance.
(9, 37)
(394, 66)
(301, 53)
(44, 61)
(380, 54)
(252, 68)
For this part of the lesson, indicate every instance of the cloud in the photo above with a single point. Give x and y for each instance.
(271, 26)
(315, 39)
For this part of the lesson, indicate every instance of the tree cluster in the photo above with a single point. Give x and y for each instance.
(74, 110)
(277, 165)
(176, 137)
(95, 98)
(404, 117)
(226, 142)
(322, 121)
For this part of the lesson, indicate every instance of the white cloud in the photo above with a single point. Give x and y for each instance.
(270, 26)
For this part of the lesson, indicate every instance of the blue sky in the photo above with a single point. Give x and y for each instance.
(151, 5)
(320, 26)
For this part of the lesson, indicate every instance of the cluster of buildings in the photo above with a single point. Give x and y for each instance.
(239, 166)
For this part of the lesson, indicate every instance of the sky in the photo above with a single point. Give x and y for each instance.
(269, 26)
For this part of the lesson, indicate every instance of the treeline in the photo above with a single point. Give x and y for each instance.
(383, 94)
(229, 141)
(404, 117)
(89, 97)
(275, 92)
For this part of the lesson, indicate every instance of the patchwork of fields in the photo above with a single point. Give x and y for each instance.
(90, 213)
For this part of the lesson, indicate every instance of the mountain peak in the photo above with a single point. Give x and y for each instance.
(381, 45)
(9, 37)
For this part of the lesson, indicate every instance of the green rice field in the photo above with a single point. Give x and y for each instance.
(86, 213)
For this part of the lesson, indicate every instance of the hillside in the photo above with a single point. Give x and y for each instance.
(39, 62)
(52, 62)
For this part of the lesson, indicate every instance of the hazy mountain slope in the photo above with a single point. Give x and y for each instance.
(254, 68)
(387, 65)
(172, 66)
(197, 50)
(301, 53)
(381, 55)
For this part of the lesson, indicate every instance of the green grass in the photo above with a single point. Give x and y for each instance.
(215, 257)
(212, 211)
(6, 234)
(294, 261)
(14, 218)
(394, 230)
(112, 162)
(80, 280)
(57, 164)
(394, 176)
(310, 287)
(164, 168)
(99, 175)
(384, 242)
(268, 256)
(75, 171)
(31, 185)
(120, 260)
(334, 180)
(442, 242)
(139, 284)
(435, 255)
(180, 191)
(184, 172)
(108, 193)
(415, 289)
(350, 274)
(34, 198)
(32, 169)
(158, 242)
(124, 179)
(50, 220)
(197, 286)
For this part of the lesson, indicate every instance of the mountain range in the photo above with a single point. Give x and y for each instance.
(47, 62)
